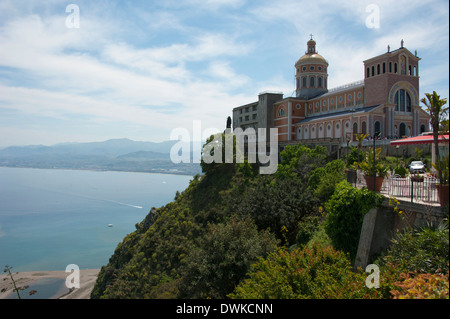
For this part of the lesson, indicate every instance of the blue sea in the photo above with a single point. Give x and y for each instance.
(50, 218)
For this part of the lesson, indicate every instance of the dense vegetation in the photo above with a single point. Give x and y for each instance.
(292, 234)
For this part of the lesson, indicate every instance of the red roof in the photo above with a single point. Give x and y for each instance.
(422, 139)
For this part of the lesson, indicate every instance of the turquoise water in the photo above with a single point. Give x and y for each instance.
(46, 288)
(50, 218)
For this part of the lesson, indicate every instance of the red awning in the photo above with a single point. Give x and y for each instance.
(423, 139)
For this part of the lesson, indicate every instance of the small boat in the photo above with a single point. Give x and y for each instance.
(110, 225)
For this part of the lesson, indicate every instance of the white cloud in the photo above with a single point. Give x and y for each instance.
(167, 67)
(117, 74)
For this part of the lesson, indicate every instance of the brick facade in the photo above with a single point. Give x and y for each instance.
(386, 101)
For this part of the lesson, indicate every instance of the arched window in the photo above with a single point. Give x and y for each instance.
(402, 101)
(337, 132)
(304, 82)
(402, 130)
(408, 103)
(281, 112)
(319, 82)
(396, 101)
(377, 126)
(355, 129)
(422, 128)
(363, 128)
(311, 82)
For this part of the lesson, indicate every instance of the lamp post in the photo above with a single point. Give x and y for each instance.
(376, 135)
(397, 147)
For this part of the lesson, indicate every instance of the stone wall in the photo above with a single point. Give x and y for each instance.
(381, 223)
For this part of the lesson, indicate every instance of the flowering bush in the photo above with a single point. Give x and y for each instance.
(423, 286)
(315, 273)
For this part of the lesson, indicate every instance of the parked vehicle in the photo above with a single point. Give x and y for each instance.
(417, 167)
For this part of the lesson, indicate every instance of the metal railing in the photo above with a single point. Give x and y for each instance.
(423, 190)
(346, 86)
(406, 188)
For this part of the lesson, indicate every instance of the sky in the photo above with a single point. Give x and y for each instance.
(83, 71)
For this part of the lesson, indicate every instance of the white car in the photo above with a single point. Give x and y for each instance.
(417, 167)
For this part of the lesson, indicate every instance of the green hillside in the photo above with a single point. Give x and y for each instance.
(218, 237)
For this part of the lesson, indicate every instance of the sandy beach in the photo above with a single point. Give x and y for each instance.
(57, 286)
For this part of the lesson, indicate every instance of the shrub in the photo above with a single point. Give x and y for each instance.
(317, 272)
(307, 228)
(401, 170)
(323, 180)
(296, 160)
(277, 204)
(223, 258)
(424, 250)
(354, 156)
(423, 286)
(346, 209)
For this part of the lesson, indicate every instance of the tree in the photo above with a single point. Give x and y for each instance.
(277, 204)
(223, 258)
(323, 180)
(435, 108)
(299, 160)
(346, 209)
(444, 126)
(360, 138)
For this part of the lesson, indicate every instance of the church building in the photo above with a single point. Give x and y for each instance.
(385, 101)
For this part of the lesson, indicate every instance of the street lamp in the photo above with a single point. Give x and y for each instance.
(376, 135)
(397, 147)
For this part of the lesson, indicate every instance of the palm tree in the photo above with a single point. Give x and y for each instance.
(435, 108)
(360, 138)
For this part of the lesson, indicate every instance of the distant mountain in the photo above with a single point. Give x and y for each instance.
(115, 154)
(143, 155)
(114, 147)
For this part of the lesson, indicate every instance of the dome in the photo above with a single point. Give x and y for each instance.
(311, 58)
(311, 55)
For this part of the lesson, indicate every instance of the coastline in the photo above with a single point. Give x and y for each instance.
(87, 281)
(177, 173)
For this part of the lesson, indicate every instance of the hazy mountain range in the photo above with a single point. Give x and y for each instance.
(115, 154)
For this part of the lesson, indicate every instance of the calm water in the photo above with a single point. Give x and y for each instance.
(52, 218)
